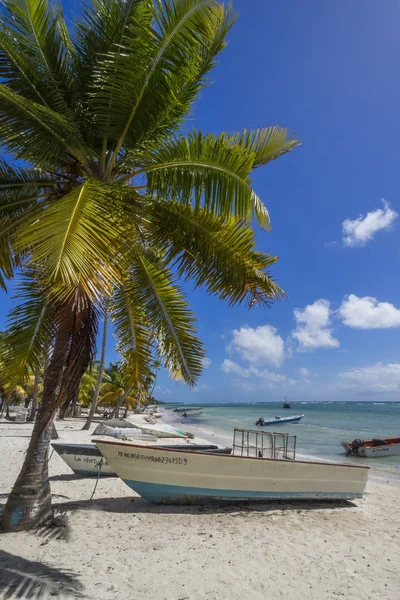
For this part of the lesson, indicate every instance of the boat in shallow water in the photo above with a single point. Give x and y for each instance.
(279, 420)
(376, 448)
(168, 476)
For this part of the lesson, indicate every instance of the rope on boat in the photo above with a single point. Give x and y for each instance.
(97, 479)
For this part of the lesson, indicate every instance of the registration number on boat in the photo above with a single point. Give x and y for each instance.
(161, 459)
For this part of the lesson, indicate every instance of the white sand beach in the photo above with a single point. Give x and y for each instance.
(120, 546)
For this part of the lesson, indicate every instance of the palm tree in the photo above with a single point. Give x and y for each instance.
(112, 202)
(99, 375)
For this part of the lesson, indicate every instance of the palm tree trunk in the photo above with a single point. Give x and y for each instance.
(32, 414)
(120, 402)
(29, 503)
(99, 377)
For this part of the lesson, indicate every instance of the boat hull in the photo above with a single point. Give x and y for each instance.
(170, 477)
(84, 459)
(373, 451)
(283, 421)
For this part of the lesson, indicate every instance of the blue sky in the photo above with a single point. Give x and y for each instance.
(329, 71)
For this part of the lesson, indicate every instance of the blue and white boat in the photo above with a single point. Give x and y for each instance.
(184, 477)
(279, 420)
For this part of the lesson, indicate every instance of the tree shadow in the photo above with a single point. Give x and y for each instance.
(66, 477)
(26, 579)
(138, 505)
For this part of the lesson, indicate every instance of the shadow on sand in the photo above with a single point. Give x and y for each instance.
(139, 505)
(22, 578)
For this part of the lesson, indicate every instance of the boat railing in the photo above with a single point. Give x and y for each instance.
(264, 444)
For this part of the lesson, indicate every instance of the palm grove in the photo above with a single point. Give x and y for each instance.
(106, 206)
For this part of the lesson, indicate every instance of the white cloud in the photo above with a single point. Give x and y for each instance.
(265, 380)
(368, 313)
(206, 362)
(253, 378)
(229, 366)
(312, 329)
(260, 345)
(304, 372)
(376, 378)
(163, 391)
(358, 232)
(201, 388)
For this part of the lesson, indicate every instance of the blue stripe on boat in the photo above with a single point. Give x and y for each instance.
(175, 494)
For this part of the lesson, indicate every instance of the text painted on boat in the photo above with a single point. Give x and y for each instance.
(95, 461)
(161, 459)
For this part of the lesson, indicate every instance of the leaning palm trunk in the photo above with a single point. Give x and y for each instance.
(99, 377)
(32, 414)
(29, 503)
(120, 402)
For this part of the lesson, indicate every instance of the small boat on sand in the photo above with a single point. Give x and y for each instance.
(159, 430)
(279, 420)
(87, 460)
(168, 476)
(375, 448)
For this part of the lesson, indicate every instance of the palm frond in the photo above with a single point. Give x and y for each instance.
(36, 133)
(19, 186)
(170, 47)
(35, 53)
(76, 239)
(28, 331)
(135, 344)
(172, 322)
(215, 252)
(267, 144)
(208, 170)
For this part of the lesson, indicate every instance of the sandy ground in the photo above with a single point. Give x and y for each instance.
(120, 546)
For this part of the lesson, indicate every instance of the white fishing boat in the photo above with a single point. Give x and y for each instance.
(279, 420)
(376, 448)
(182, 477)
(159, 430)
(86, 460)
(186, 409)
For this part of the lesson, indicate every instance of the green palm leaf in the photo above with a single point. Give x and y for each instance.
(48, 138)
(181, 28)
(28, 334)
(35, 53)
(208, 170)
(215, 252)
(267, 144)
(76, 239)
(135, 343)
(167, 310)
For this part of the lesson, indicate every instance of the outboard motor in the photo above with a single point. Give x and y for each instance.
(260, 421)
(356, 444)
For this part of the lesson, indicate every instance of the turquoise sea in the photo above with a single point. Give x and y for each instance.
(319, 434)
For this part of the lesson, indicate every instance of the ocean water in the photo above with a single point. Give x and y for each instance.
(320, 433)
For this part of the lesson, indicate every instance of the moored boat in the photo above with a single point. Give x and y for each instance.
(374, 448)
(279, 420)
(181, 409)
(185, 477)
